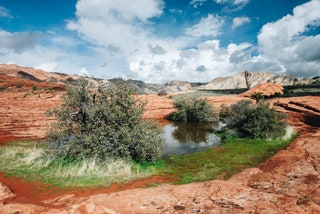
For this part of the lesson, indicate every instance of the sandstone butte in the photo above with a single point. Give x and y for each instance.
(289, 182)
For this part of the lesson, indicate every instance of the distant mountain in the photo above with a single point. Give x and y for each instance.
(248, 79)
(33, 76)
(242, 80)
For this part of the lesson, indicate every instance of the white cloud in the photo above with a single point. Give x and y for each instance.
(4, 12)
(285, 41)
(83, 72)
(232, 5)
(209, 26)
(197, 3)
(236, 2)
(221, 1)
(203, 63)
(238, 21)
(233, 2)
(41, 51)
(47, 66)
(120, 24)
(18, 41)
(118, 40)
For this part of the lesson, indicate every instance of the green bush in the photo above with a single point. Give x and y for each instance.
(193, 110)
(103, 125)
(257, 96)
(245, 119)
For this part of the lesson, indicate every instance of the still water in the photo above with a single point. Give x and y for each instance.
(184, 138)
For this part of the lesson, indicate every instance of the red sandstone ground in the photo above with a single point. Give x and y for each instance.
(286, 183)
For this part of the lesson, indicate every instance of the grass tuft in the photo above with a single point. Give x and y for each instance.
(28, 160)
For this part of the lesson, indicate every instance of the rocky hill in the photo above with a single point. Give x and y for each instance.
(248, 79)
(242, 80)
(37, 76)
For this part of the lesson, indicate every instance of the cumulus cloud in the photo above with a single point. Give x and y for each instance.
(238, 21)
(286, 39)
(156, 49)
(118, 39)
(110, 23)
(19, 41)
(207, 60)
(209, 26)
(47, 66)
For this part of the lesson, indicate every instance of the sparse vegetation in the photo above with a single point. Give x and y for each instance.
(103, 125)
(247, 120)
(27, 159)
(25, 95)
(3, 88)
(193, 110)
(220, 163)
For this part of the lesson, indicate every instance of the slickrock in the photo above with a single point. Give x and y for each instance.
(22, 114)
(289, 182)
(157, 107)
(5, 193)
(266, 89)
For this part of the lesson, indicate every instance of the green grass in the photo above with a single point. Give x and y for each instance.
(27, 159)
(220, 163)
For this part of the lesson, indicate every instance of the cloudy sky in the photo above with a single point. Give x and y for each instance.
(162, 40)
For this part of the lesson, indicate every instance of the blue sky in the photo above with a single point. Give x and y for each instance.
(162, 40)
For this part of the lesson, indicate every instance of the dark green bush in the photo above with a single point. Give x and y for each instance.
(193, 110)
(257, 96)
(104, 124)
(245, 119)
(3, 88)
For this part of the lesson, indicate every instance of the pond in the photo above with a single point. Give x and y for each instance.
(183, 138)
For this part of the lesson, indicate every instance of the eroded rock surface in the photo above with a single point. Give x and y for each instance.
(266, 89)
(289, 182)
(286, 183)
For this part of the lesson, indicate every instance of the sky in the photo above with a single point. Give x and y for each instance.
(158, 41)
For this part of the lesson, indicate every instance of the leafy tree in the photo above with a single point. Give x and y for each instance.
(103, 124)
(245, 119)
(193, 110)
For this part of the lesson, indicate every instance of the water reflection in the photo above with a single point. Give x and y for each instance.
(183, 138)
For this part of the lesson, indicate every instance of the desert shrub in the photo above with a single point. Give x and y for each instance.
(103, 125)
(3, 88)
(257, 96)
(245, 119)
(193, 110)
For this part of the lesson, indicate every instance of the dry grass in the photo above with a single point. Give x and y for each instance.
(29, 160)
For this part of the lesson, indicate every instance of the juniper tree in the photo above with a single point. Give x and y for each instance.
(103, 123)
